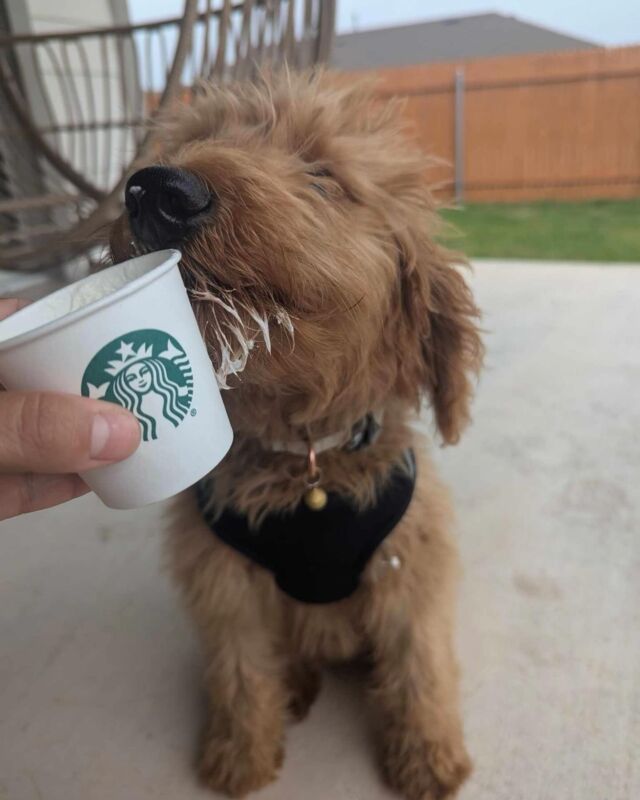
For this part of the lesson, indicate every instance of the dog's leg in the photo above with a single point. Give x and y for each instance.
(422, 746)
(415, 680)
(243, 743)
(238, 617)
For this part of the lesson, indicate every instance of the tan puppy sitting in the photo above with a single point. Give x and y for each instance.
(329, 310)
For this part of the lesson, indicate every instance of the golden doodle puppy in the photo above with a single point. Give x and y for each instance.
(329, 310)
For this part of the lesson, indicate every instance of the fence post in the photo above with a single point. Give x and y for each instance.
(458, 134)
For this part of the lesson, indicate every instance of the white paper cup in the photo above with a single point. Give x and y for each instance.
(128, 335)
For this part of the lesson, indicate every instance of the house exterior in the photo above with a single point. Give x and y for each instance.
(451, 39)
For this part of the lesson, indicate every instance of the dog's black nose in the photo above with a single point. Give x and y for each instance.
(165, 204)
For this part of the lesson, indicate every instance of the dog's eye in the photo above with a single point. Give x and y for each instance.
(320, 179)
(320, 172)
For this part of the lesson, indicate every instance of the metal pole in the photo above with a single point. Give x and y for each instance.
(458, 133)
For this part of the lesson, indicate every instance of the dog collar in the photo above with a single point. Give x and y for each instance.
(363, 434)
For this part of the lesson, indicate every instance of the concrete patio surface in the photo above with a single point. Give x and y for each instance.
(99, 670)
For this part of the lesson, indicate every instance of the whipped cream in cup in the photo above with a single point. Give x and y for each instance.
(128, 335)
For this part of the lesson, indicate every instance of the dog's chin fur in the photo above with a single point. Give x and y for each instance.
(322, 295)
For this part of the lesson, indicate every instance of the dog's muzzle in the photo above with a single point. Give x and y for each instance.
(165, 205)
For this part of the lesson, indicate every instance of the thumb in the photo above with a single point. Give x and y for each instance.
(48, 432)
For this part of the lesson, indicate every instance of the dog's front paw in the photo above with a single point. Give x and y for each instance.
(238, 769)
(424, 770)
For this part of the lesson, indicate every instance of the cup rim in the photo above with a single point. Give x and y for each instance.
(170, 259)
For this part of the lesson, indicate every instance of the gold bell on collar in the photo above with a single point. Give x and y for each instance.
(315, 497)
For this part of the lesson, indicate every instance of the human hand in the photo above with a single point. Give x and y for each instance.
(47, 438)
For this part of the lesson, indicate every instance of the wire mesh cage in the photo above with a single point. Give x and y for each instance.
(75, 105)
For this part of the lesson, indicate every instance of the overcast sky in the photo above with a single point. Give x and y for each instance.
(608, 22)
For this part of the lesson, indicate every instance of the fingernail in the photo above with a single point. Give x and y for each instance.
(113, 436)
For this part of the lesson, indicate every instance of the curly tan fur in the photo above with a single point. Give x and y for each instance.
(323, 217)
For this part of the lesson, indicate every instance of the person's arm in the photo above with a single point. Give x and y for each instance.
(46, 438)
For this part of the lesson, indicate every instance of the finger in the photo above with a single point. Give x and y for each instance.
(11, 305)
(21, 494)
(46, 432)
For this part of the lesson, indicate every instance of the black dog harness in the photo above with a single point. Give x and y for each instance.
(317, 556)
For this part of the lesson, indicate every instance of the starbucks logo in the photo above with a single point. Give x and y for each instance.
(148, 373)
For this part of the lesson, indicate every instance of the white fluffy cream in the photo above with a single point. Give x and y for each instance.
(98, 286)
(235, 336)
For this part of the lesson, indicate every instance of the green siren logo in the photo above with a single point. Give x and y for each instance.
(148, 373)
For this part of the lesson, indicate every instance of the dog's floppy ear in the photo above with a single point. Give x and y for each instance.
(441, 347)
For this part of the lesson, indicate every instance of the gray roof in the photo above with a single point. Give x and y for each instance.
(448, 40)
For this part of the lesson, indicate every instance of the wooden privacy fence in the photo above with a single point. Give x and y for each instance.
(560, 125)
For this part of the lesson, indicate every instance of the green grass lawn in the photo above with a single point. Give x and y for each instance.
(596, 230)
